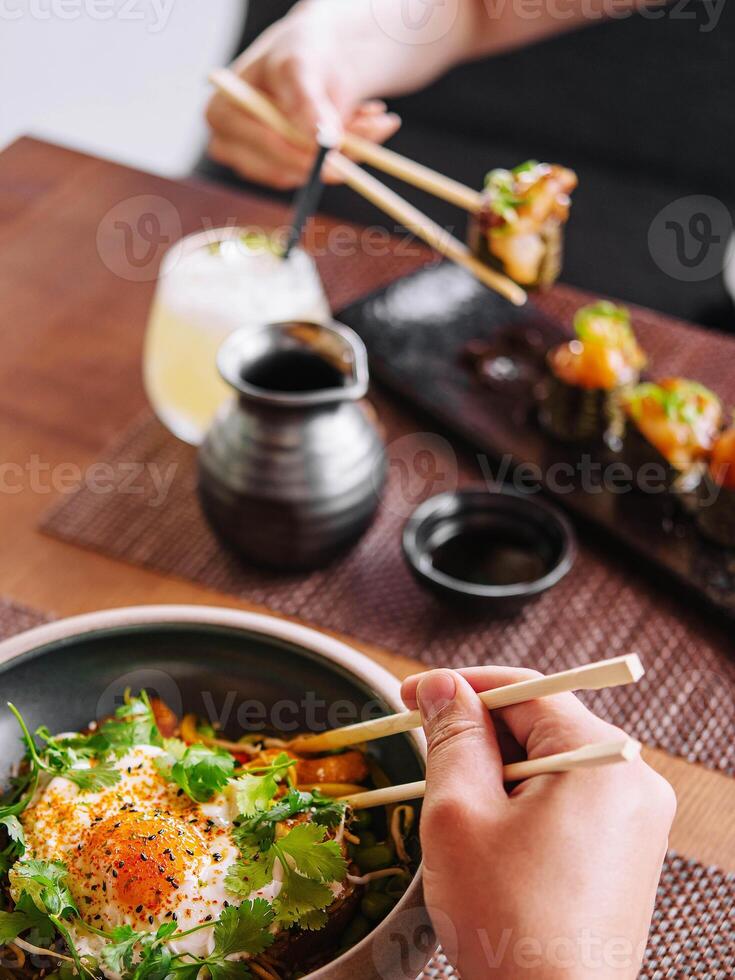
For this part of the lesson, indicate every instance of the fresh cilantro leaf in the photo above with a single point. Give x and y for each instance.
(314, 920)
(228, 970)
(154, 960)
(201, 771)
(300, 896)
(312, 855)
(243, 929)
(12, 924)
(259, 831)
(15, 830)
(250, 874)
(134, 724)
(155, 963)
(327, 812)
(184, 970)
(256, 788)
(44, 882)
(118, 955)
(93, 779)
(43, 930)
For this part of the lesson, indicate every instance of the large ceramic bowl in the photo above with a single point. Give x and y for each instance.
(246, 670)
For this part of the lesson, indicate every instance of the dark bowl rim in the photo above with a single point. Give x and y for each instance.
(416, 556)
(334, 652)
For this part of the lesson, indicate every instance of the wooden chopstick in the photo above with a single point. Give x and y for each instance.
(594, 754)
(413, 173)
(589, 677)
(248, 98)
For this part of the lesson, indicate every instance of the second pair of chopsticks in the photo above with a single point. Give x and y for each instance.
(240, 93)
(589, 677)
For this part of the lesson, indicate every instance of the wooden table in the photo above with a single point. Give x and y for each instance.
(70, 378)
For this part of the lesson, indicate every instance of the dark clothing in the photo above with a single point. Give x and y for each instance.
(642, 108)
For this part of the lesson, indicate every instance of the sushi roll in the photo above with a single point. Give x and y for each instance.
(519, 230)
(674, 423)
(716, 516)
(580, 399)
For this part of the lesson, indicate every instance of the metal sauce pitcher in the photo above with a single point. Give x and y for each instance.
(291, 471)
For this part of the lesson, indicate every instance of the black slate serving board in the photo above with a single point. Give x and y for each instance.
(417, 331)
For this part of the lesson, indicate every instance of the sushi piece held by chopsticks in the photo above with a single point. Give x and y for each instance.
(519, 227)
(594, 754)
(590, 677)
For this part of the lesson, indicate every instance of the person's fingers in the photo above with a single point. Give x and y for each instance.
(460, 738)
(543, 726)
(371, 107)
(235, 125)
(299, 87)
(479, 678)
(547, 725)
(250, 164)
(377, 128)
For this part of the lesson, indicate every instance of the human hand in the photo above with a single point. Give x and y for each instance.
(298, 64)
(556, 878)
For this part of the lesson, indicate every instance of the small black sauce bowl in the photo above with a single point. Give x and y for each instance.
(492, 550)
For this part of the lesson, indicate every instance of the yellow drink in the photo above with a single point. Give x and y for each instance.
(210, 285)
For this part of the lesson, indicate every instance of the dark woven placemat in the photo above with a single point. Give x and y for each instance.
(16, 618)
(693, 928)
(603, 608)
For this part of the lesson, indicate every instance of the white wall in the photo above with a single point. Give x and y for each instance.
(124, 79)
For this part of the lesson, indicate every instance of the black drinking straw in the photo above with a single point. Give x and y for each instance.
(308, 197)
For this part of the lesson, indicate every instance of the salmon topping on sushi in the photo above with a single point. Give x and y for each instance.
(722, 460)
(680, 418)
(605, 353)
(525, 209)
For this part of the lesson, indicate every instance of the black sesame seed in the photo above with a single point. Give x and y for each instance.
(143, 857)
(138, 909)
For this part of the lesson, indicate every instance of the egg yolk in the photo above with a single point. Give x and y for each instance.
(143, 857)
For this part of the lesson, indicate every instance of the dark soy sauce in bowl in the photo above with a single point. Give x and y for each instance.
(492, 556)
(493, 549)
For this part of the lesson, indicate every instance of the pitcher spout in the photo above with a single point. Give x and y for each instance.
(295, 364)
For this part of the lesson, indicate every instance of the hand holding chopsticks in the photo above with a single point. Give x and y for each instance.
(239, 92)
(589, 677)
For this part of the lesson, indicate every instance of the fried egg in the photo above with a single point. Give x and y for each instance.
(139, 853)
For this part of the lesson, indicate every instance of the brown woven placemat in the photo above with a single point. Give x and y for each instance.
(16, 618)
(693, 928)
